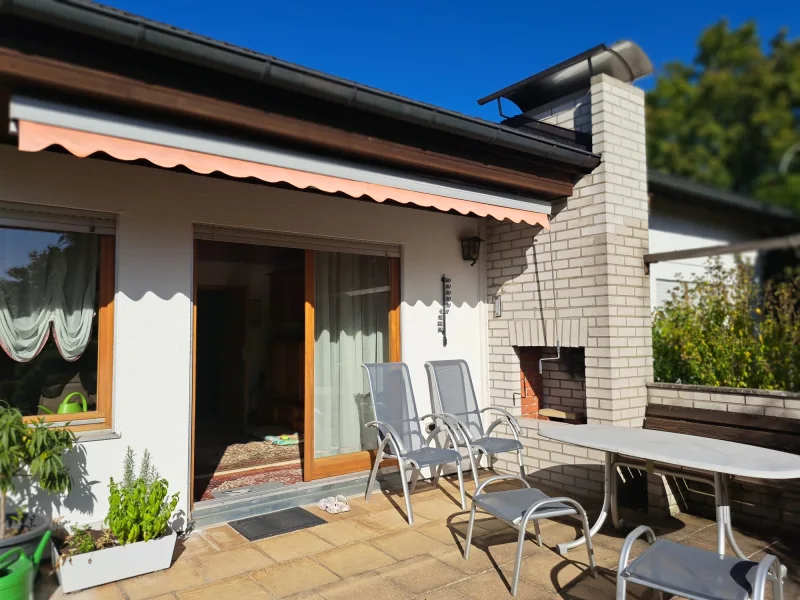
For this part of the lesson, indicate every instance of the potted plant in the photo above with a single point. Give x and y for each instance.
(35, 451)
(137, 538)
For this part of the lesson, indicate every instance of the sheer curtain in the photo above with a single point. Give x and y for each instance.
(46, 278)
(351, 327)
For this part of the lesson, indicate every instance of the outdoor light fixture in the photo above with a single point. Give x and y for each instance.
(470, 249)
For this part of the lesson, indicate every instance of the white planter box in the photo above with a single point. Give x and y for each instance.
(112, 564)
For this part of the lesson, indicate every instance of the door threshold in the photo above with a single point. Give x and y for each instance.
(250, 501)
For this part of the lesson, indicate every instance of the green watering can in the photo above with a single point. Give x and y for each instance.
(66, 407)
(17, 571)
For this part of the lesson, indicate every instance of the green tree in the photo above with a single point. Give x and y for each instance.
(729, 117)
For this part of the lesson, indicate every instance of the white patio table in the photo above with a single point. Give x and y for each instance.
(719, 458)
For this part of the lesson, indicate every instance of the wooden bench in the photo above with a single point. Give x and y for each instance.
(776, 433)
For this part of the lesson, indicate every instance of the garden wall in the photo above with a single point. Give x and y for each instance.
(756, 503)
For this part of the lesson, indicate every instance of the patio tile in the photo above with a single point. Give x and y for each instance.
(345, 532)
(679, 526)
(422, 574)
(406, 544)
(379, 501)
(227, 563)
(364, 586)
(238, 588)
(104, 592)
(448, 593)
(355, 511)
(305, 596)
(707, 538)
(438, 508)
(551, 571)
(180, 576)
(293, 577)
(501, 546)
(453, 534)
(223, 537)
(293, 545)
(491, 585)
(193, 545)
(391, 519)
(349, 561)
(478, 562)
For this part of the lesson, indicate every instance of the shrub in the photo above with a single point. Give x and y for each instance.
(139, 509)
(35, 450)
(721, 330)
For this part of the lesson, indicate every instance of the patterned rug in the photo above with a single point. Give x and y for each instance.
(285, 474)
(219, 459)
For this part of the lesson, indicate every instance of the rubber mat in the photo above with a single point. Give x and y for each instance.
(276, 523)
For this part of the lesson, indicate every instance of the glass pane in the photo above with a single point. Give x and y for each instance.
(351, 327)
(48, 321)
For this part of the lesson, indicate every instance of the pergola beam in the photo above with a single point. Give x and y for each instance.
(778, 243)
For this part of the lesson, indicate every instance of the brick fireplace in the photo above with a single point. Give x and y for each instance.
(559, 391)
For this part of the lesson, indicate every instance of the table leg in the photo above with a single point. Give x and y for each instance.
(728, 527)
(724, 521)
(609, 505)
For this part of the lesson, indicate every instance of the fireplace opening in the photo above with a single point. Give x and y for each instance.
(558, 393)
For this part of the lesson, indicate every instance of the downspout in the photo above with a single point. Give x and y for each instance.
(555, 302)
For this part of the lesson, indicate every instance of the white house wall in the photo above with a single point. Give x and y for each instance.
(682, 230)
(156, 211)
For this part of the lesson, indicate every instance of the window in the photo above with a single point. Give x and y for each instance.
(56, 325)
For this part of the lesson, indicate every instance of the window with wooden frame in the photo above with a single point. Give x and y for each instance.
(57, 322)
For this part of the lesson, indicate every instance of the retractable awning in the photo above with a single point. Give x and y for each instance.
(41, 124)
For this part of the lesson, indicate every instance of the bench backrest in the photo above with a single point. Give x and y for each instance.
(776, 433)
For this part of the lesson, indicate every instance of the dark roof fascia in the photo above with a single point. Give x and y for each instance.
(103, 22)
(708, 195)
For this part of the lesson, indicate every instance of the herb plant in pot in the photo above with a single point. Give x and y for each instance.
(34, 451)
(138, 538)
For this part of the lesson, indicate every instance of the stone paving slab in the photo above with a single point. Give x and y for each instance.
(372, 551)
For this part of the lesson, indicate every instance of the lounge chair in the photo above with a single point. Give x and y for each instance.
(400, 430)
(456, 403)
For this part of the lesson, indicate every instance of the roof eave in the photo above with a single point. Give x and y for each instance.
(111, 25)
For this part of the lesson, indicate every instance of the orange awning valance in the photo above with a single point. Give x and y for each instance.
(36, 136)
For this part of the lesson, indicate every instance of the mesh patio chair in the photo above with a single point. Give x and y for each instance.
(518, 508)
(695, 573)
(456, 403)
(400, 431)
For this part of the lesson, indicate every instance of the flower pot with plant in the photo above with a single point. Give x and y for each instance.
(34, 451)
(138, 538)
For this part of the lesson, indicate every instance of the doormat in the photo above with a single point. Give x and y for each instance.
(283, 521)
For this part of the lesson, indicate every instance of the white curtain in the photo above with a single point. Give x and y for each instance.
(351, 327)
(47, 278)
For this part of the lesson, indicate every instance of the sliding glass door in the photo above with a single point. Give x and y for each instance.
(351, 318)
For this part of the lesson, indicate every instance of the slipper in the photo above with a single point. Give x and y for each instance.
(326, 503)
(343, 503)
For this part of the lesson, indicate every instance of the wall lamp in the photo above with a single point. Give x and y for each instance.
(471, 248)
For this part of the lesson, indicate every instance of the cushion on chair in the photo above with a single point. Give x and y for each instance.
(425, 457)
(692, 572)
(511, 505)
(496, 445)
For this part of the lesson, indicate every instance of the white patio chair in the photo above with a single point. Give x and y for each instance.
(400, 429)
(695, 573)
(455, 401)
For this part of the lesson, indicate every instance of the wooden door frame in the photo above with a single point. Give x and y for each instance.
(357, 461)
(196, 288)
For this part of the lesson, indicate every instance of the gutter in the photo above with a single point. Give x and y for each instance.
(142, 34)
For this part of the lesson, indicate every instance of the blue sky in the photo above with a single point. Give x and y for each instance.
(452, 53)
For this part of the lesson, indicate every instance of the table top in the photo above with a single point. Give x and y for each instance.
(705, 454)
